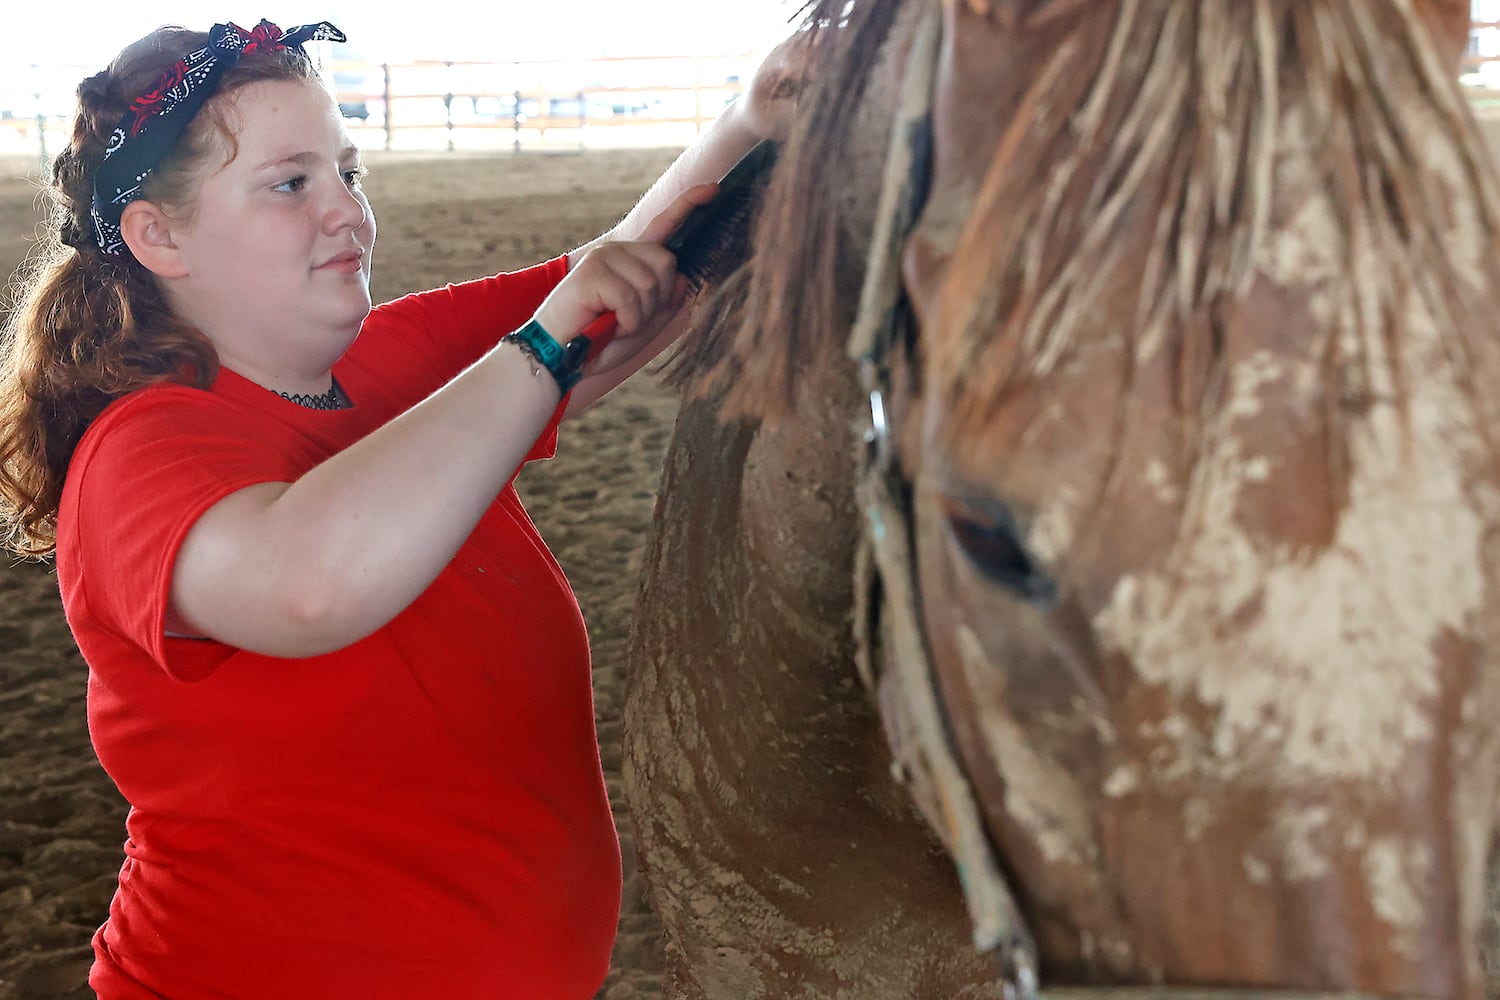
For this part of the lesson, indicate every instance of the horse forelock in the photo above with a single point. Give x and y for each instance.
(1179, 178)
(1142, 181)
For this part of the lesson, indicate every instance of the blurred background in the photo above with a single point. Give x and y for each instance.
(447, 74)
(1482, 64)
(503, 75)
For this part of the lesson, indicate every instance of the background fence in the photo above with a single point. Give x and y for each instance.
(535, 105)
(545, 104)
(1481, 65)
(660, 100)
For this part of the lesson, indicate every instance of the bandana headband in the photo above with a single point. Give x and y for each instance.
(157, 119)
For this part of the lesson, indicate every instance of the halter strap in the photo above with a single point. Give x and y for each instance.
(885, 570)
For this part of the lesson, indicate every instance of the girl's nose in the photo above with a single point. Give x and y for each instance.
(351, 212)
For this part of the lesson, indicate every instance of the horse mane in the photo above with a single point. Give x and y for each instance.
(766, 320)
(1143, 155)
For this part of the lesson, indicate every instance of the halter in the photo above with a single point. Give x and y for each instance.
(887, 615)
(885, 570)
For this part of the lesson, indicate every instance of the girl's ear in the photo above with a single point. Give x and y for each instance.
(148, 233)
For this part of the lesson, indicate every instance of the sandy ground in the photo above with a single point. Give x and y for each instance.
(442, 217)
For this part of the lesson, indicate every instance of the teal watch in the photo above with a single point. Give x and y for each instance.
(564, 363)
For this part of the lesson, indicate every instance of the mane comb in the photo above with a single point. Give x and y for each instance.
(715, 237)
(717, 232)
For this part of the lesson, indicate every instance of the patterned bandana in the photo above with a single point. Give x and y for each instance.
(157, 119)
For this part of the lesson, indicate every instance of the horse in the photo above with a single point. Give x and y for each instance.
(1077, 556)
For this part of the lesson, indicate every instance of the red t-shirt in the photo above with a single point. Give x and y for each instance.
(419, 815)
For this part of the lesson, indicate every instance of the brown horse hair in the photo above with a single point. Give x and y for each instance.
(1176, 118)
(1194, 143)
(765, 323)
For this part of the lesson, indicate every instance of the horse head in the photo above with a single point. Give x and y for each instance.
(1193, 448)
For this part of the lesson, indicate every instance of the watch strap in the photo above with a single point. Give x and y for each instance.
(563, 362)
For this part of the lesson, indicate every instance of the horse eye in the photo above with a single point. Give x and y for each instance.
(988, 535)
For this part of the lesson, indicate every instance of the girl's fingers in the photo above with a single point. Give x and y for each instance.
(666, 223)
(642, 278)
(632, 280)
(630, 292)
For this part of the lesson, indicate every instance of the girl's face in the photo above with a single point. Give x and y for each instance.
(276, 251)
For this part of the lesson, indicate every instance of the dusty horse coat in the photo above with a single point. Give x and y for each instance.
(1205, 308)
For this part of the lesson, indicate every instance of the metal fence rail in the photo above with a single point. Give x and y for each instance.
(426, 104)
(529, 100)
(523, 105)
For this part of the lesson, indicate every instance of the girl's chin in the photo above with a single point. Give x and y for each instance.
(358, 307)
(350, 321)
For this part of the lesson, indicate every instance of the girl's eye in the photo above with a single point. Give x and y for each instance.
(292, 184)
(353, 177)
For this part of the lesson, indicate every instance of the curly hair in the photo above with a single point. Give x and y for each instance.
(84, 329)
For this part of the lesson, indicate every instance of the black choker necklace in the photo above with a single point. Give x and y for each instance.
(333, 399)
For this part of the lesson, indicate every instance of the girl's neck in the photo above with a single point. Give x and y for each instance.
(333, 399)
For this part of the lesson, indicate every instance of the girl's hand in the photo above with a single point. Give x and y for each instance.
(635, 280)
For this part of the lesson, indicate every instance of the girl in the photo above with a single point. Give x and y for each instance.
(332, 666)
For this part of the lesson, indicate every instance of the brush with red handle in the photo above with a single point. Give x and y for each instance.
(705, 237)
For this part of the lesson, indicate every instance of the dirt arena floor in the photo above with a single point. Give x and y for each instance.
(442, 217)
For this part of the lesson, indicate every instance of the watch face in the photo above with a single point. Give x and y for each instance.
(575, 354)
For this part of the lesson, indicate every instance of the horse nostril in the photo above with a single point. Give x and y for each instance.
(988, 535)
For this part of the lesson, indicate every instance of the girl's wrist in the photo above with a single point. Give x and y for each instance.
(742, 124)
(563, 361)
